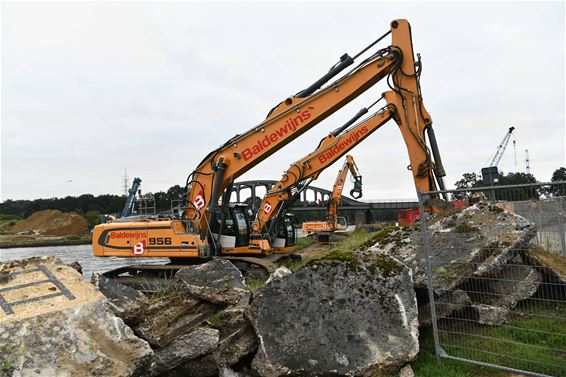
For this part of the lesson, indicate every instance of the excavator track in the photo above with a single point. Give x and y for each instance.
(159, 277)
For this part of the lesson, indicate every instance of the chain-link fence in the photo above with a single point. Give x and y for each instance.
(496, 273)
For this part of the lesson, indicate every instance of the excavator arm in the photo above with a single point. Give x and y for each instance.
(331, 223)
(290, 119)
(330, 149)
(336, 198)
(406, 106)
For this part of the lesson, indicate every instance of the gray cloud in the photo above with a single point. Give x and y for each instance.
(89, 89)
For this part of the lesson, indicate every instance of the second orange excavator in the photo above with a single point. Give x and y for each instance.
(333, 222)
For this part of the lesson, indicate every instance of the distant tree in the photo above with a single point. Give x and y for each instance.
(93, 218)
(468, 181)
(559, 175)
(175, 192)
(517, 193)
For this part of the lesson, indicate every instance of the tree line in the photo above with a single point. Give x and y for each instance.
(86, 203)
(473, 180)
(92, 206)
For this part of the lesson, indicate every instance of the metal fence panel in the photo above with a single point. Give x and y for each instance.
(505, 307)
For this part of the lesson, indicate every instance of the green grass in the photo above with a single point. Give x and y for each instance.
(536, 343)
(303, 242)
(295, 265)
(214, 320)
(4, 217)
(254, 284)
(426, 364)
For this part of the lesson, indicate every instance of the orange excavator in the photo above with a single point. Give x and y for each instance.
(301, 173)
(334, 222)
(211, 226)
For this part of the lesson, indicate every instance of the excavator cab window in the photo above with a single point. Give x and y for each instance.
(290, 230)
(285, 236)
(240, 225)
(341, 223)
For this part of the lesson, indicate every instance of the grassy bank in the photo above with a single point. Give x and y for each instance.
(10, 241)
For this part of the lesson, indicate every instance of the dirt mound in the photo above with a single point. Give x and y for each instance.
(53, 222)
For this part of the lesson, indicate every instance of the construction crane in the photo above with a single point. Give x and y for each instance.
(129, 206)
(490, 174)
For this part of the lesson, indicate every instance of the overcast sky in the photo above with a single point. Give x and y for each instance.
(91, 89)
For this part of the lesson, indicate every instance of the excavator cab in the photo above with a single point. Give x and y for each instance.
(285, 233)
(341, 223)
(235, 227)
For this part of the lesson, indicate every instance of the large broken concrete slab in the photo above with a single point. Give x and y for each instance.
(512, 284)
(55, 324)
(126, 302)
(196, 326)
(551, 265)
(217, 281)
(352, 314)
(478, 241)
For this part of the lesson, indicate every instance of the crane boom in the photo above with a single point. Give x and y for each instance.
(501, 148)
(129, 206)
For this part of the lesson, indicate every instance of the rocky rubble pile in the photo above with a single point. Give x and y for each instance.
(477, 262)
(348, 313)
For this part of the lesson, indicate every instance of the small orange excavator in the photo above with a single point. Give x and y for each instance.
(335, 223)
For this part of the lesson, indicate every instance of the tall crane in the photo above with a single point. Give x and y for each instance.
(129, 206)
(490, 174)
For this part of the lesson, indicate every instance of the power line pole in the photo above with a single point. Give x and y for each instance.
(126, 185)
(527, 162)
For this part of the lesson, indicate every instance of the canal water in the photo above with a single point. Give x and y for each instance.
(79, 253)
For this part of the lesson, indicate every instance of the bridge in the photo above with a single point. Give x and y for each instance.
(312, 203)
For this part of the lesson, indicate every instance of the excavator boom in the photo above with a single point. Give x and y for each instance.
(329, 150)
(290, 119)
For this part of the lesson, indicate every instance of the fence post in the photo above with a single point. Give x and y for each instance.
(560, 223)
(426, 247)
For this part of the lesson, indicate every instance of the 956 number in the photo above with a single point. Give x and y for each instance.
(160, 241)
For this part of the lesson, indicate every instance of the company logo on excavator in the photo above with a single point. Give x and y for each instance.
(335, 150)
(290, 126)
(134, 235)
(199, 201)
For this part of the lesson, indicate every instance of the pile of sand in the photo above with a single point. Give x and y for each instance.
(53, 222)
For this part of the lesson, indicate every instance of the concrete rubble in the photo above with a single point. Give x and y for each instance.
(476, 261)
(351, 314)
(348, 313)
(55, 324)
